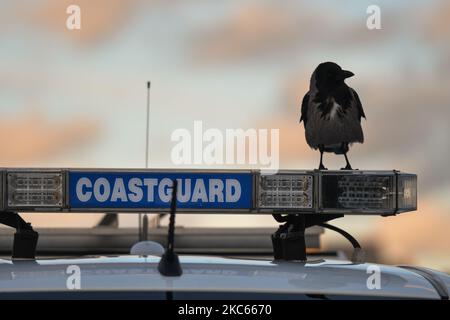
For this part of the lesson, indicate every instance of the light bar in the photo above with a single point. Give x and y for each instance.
(216, 191)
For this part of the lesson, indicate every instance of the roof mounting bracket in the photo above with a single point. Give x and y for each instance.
(289, 240)
(25, 238)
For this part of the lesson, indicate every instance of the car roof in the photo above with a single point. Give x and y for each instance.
(218, 274)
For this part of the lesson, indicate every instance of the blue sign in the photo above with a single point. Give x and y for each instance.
(153, 190)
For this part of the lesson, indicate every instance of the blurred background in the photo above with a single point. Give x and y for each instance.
(77, 98)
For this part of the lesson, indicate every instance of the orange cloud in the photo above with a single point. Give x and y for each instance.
(435, 32)
(99, 19)
(33, 137)
(257, 30)
(438, 22)
(293, 90)
(293, 146)
(408, 237)
(252, 29)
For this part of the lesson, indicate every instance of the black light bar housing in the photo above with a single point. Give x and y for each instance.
(220, 191)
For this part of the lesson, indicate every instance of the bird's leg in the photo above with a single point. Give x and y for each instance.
(345, 148)
(348, 166)
(321, 166)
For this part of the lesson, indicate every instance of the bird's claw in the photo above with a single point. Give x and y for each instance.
(322, 167)
(347, 167)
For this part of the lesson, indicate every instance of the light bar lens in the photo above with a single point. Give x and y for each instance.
(286, 191)
(35, 189)
(358, 192)
(407, 192)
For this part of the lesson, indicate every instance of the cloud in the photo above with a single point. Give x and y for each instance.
(260, 30)
(33, 137)
(100, 19)
(435, 31)
(408, 237)
(437, 22)
(293, 147)
(250, 30)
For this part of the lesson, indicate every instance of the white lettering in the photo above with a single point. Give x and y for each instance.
(150, 184)
(119, 191)
(98, 185)
(186, 196)
(163, 190)
(232, 184)
(199, 192)
(133, 190)
(136, 193)
(215, 190)
(81, 184)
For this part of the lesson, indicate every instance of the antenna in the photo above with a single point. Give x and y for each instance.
(169, 265)
(148, 124)
(143, 233)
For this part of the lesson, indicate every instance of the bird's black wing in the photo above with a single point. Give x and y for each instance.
(304, 112)
(359, 106)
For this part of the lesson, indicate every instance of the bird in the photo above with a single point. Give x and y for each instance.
(331, 112)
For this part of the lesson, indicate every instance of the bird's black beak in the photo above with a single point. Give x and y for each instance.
(346, 74)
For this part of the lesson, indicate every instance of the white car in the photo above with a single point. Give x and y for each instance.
(209, 277)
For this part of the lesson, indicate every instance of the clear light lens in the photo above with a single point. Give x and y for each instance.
(34, 189)
(365, 192)
(286, 191)
(407, 192)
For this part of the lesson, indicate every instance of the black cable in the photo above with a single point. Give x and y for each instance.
(280, 218)
(345, 234)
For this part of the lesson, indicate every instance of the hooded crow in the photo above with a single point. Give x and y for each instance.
(331, 112)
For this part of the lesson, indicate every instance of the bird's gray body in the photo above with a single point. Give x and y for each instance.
(339, 124)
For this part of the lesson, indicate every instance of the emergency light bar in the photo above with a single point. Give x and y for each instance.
(106, 190)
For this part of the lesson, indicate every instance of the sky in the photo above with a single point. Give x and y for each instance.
(77, 98)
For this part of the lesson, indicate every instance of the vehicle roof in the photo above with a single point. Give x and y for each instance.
(218, 274)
